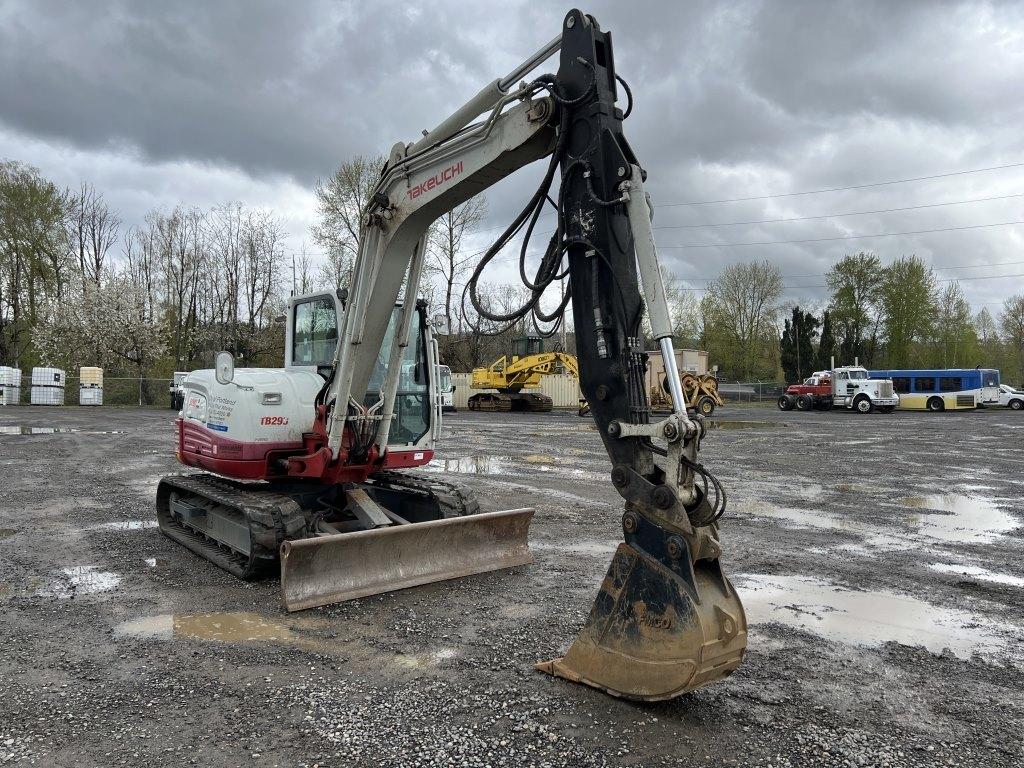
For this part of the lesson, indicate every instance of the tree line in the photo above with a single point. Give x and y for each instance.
(79, 288)
(896, 315)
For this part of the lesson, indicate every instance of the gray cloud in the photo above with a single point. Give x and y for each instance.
(198, 102)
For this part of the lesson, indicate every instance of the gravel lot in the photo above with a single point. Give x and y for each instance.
(879, 557)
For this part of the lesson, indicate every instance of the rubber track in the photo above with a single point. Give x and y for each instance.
(454, 499)
(272, 517)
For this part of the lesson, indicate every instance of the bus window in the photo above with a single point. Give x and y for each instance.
(990, 378)
(924, 384)
(901, 384)
(950, 384)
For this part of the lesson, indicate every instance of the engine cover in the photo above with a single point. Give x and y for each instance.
(230, 428)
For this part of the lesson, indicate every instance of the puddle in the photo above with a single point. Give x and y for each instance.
(20, 430)
(6, 533)
(866, 618)
(982, 574)
(421, 660)
(471, 465)
(964, 519)
(719, 424)
(218, 627)
(123, 525)
(81, 580)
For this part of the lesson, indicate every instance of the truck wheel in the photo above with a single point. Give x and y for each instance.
(863, 404)
(785, 403)
(1017, 404)
(804, 403)
(705, 406)
(935, 405)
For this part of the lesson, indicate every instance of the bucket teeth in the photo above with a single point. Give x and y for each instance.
(650, 636)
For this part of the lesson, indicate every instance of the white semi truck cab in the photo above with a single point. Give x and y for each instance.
(854, 389)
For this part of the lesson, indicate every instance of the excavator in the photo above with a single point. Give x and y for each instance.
(310, 469)
(511, 375)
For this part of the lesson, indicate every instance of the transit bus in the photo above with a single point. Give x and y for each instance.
(943, 389)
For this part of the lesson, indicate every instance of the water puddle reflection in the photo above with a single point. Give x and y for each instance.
(123, 525)
(22, 430)
(976, 572)
(869, 618)
(962, 519)
(81, 580)
(219, 627)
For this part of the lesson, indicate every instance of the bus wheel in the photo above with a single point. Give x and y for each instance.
(804, 403)
(863, 404)
(935, 405)
(785, 403)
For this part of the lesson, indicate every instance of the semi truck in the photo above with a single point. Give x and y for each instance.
(850, 387)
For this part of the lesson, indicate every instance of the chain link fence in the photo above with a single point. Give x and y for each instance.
(123, 391)
(751, 391)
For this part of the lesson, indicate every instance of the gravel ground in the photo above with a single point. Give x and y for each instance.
(879, 558)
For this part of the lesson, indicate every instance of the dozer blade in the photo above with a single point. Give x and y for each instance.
(650, 636)
(330, 569)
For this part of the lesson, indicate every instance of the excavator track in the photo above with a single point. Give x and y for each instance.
(453, 499)
(236, 526)
(240, 526)
(522, 402)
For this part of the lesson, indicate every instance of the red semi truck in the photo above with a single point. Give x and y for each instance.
(848, 387)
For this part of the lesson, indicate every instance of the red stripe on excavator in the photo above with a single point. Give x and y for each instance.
(199, 447)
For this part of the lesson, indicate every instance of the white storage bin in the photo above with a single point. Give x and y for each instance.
(90, 396)
(9, 395)
(48, 377)
(47, 396)
(10, 377)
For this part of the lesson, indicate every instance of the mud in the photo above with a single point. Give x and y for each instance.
(881, 560)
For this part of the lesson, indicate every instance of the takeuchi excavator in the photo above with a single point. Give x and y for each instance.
(510, 375)
(310, 468)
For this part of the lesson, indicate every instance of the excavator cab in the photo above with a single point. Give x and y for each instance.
(527, 345)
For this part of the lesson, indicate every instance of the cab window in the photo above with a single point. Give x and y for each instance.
(315, 334)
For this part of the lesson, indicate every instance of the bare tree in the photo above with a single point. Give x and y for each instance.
(94, 230)
(446, 256)
(340, 203)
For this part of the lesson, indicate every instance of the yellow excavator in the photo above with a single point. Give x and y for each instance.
(511, 374)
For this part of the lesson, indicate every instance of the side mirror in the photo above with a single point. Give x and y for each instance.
(440, 325)
(224, 368)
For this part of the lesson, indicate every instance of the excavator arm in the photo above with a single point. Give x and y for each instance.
(666, 619)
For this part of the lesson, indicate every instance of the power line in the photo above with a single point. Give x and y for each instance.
(837, 215)
(818, 191)
(932, 266)
(847, 237)
(940, 280)
(843, 189)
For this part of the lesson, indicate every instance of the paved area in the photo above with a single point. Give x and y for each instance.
(879, 557)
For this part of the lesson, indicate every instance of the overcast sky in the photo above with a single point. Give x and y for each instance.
(199, 103)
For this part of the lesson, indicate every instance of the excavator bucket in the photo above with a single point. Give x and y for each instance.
(651, 636)
(330, 569)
